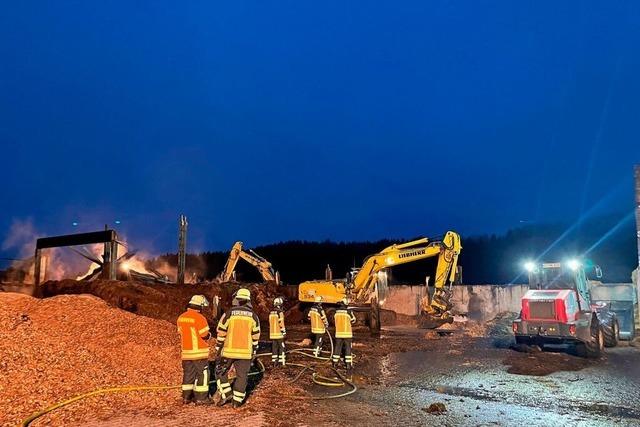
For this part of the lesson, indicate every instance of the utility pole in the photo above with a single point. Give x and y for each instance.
(182, 248)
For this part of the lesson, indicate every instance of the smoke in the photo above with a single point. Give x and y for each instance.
(22, 236)
(57, 263)
(65, 263)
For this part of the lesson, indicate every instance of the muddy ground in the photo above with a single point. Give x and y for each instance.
(406, 376)
(401, 374)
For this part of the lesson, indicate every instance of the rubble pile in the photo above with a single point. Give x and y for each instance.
(163, 301)
(56, 348)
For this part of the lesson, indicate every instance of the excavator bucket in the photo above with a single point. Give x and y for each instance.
(436, 312)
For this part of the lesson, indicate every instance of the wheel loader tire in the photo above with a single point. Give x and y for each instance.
(593, 348)
(611, 333)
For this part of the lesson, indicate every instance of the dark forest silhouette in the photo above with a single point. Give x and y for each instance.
(495, 259)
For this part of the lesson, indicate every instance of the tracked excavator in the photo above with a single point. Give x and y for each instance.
(264, 267)
(365, 286)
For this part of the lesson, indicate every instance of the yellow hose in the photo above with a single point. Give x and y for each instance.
(316, 378)
(37, 415)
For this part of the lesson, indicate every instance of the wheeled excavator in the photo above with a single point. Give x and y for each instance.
(363, 286)
(264, 267)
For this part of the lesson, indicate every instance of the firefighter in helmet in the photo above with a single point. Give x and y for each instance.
(194, 335)
(319, 324)
(343, 320)
(237, 344)
(277, 332)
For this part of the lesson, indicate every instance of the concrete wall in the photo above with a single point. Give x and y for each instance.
(404, 299)
(484, 302)
(479, 302)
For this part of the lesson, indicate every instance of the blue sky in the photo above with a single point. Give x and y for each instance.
(269, 121)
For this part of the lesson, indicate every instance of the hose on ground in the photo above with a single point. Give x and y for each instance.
(322, 380)
(38, 414)
(316, 378)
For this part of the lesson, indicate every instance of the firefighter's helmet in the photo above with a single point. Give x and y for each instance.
(345, 301)
(278, 301)
(243, 294)
(318, 298)
(199, 300)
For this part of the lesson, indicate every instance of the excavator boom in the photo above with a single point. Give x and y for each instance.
(263, 266)
(361, 286)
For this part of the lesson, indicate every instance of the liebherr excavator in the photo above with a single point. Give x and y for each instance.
(263, 266)
(362, 286)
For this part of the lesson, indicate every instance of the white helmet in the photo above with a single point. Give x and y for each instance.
(318, 298)
(278, 301)
(199, 300)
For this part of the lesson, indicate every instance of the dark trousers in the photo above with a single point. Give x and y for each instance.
(343, 344)
(195, 380)
(318, 344)
(278, 351)
(239, 384)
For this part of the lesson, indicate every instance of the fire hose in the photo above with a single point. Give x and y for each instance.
(316, 378)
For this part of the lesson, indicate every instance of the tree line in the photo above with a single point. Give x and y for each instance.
(485, 259)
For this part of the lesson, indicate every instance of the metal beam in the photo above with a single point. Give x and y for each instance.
(36, 267)
(77, 239)
(182, 248)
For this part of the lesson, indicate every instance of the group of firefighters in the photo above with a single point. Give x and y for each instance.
(237, 336)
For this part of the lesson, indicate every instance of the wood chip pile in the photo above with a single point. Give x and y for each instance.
(53, 349)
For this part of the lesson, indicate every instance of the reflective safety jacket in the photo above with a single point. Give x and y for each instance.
(193, 329)
(238, 333)
(276, 325)
(343, 320)
(318, 319)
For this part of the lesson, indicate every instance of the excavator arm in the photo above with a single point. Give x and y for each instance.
(361, 285)
(237, 252)
(446, 249)
(263, 266)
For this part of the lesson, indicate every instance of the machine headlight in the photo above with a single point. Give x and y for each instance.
(529, 266)
(573, 264)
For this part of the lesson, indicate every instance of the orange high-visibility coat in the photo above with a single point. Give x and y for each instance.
(193, 328)
(343, 320)
(238, 333)
(318, 320)
(276, 325)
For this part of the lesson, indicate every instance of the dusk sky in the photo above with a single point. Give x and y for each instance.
(269, 121)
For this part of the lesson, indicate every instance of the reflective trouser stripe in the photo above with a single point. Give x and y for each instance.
(335, 357)
(223, 388)
(187, 387)
(204, 387)
(238, 396)
(274, 357)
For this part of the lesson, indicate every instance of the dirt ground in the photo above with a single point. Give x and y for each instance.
(54, 348)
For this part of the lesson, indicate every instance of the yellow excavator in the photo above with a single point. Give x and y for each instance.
(263, 266)
(363, 286)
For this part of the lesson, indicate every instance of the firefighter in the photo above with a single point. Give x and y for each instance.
(237, 344)
(319, 324)
(277, 332)
(194, 333)
(343, 319)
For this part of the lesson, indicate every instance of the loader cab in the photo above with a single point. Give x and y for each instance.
(570, 274)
